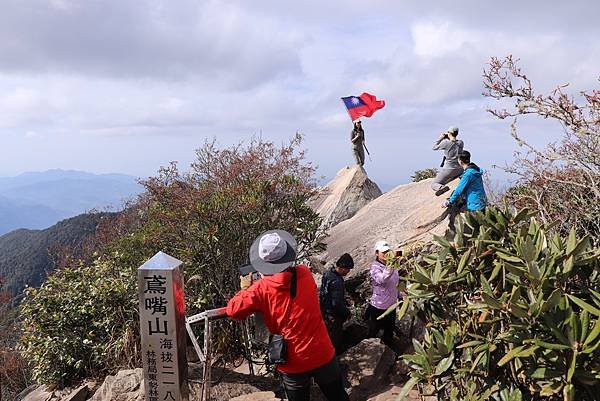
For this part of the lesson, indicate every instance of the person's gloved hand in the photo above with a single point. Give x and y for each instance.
(446, 203)
(246, 281)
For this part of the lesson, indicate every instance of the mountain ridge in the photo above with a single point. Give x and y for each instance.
(37, 200)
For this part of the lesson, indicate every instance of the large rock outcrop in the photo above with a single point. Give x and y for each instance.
(369, 364)
(126, 385)
(345, 195)
(408, 213)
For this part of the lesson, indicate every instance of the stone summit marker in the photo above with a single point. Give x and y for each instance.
(162, 328)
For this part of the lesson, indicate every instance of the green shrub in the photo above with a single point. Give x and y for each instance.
(81, 322)
(84, 320)
(424, 174)
(513, 314)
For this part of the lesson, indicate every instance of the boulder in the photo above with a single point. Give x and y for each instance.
(126, 385)
(41, 393)
(368, 365)
(79, 394)
(259, 396)
(346, 194)
(391, 394)
(407, 214)
(354, 332)
(399, 373)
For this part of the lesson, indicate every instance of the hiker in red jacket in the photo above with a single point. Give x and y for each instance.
(287, 298)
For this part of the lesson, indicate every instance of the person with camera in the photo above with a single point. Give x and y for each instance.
(332, 297)
(450, 169)
(286, 295)
(469, 193)
(357, 137)
(385, 294)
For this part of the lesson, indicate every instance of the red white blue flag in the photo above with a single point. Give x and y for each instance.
(362, 106)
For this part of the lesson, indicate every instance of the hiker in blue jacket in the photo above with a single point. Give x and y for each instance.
(470, 190)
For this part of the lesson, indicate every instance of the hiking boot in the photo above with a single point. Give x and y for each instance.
(442, 190)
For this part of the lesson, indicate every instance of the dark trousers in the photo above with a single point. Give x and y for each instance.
(387, 324)
(453, 212)
(335, 327)
(328, 377)
(359, 154)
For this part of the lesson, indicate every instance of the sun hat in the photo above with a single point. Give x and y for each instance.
(273, 251)
(382, 246)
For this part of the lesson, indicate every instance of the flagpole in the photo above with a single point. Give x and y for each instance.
(368, 153)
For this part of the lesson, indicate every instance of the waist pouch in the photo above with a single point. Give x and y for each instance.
(277, 350)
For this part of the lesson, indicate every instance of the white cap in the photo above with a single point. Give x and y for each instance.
(271, 247)
(382, 246)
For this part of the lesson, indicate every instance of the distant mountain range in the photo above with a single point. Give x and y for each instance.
(25, 258)
(40, 199)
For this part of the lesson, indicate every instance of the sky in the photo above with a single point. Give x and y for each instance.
(128, 86)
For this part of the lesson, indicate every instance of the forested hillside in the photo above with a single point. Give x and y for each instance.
(25, 257)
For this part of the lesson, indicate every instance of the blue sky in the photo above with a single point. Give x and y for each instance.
(107, 86)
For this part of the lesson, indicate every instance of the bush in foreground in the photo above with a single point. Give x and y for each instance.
(513, 314)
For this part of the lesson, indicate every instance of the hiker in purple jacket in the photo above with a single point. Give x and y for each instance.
(385, 294)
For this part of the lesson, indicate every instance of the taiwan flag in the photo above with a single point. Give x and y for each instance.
(362, 106)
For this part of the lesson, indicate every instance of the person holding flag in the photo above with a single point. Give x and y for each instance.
(357, 137)
(360, 106)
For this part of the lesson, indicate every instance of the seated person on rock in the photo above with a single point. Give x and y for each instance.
(287, 298)
(450, 168)
(470, 192)
(332, 297)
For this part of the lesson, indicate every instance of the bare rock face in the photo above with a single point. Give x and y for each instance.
(407, 214)
(391, 394)
(126, 385)
(41, 393)
(259, 396)
(346, 194)
(369, 364)
(79, 394)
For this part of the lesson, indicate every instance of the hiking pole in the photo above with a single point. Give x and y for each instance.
(369, 154)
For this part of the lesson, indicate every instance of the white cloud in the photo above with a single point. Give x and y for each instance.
(435, 39)
(32, 134)
(18, 105)
(158, 77)
(62, 5)
(213, 41)
(172, 105)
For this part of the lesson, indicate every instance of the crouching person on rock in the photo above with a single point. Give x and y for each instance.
(332, 297)
(469, 193)
(451, 169)
(287, 298)
(385, 294)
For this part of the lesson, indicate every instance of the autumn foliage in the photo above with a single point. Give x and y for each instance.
(562, 180)
(207, 217)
